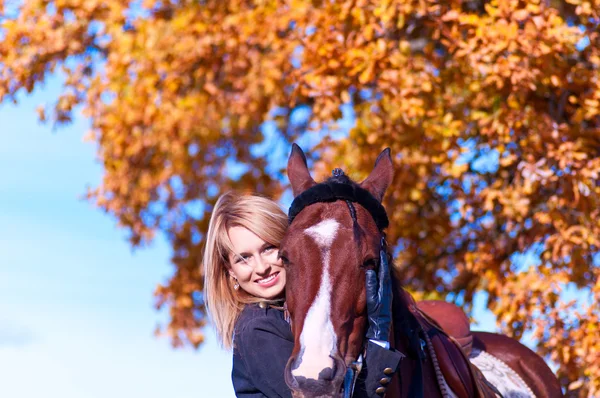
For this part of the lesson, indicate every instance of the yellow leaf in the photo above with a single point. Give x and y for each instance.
(345, 97)
(415, 195)
(366, 75)
(520, 15)
(426, 86)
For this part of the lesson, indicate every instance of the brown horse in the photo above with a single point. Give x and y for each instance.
(332, 241)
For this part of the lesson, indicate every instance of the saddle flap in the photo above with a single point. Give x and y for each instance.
(453, 365)
(463, 378)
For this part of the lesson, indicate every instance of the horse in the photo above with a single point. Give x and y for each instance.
(335, 235)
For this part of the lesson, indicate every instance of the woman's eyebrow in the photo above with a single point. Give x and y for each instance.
(247, 253)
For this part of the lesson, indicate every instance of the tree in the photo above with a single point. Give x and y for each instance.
(492, 110)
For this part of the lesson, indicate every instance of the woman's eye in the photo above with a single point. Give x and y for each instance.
(240, 259)
(269, 248)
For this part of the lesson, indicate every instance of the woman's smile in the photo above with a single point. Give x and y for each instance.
(269, 281)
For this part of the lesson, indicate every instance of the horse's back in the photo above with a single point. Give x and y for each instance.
(526, 363)
(530, 366)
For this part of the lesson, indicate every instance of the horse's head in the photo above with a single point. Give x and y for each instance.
(334, 237)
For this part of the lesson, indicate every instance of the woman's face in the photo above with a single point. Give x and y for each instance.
(255, 265)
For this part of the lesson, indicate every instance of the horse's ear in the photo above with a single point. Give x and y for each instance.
(381, 176)
(297, 170)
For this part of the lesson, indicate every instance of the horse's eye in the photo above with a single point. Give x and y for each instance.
(284, 259)
(370, 263)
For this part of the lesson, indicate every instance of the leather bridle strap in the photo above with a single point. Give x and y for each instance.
(351, 375)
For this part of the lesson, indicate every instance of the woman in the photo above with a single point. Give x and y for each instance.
(245, 291)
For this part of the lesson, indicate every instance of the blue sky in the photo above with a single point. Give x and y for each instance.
(76, 315)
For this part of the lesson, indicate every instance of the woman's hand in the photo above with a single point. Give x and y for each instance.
(379, 300)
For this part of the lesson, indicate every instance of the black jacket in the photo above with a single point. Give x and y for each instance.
(263, 342)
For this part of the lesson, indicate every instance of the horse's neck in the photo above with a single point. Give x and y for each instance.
(405, 325)
(406, 339)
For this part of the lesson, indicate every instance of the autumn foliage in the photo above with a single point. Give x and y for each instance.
(491, 109)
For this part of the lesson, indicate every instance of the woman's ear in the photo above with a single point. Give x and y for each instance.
(231, 273)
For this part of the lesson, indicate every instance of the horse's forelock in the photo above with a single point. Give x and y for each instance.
(340, 187)
(341, 179)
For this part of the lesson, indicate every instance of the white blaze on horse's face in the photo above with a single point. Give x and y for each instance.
(318, 340)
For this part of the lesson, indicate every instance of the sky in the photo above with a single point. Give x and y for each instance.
(76, 305)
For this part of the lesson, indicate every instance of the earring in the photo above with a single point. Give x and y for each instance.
(236, 286)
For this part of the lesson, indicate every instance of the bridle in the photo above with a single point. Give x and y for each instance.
(340, 187)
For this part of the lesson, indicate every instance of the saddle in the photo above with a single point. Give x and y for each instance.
(451, 319)
(447, 331)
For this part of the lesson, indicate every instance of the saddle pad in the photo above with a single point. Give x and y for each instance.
(506, 380)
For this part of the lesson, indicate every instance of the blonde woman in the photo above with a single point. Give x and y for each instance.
(245, 291)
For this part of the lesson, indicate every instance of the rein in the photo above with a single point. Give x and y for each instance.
(351, 376)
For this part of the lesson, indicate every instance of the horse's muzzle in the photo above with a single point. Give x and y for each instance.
(328, 383)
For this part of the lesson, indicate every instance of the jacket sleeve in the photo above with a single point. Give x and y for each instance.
(265, 351)
(380, 365)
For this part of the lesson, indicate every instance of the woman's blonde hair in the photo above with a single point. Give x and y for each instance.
(258, 214)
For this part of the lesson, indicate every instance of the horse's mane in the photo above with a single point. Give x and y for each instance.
(341, 178)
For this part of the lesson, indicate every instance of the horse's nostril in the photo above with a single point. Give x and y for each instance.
(293, 363)
(328, 373)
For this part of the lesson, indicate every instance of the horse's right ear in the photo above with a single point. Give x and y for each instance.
(381, 177)
(297, 170)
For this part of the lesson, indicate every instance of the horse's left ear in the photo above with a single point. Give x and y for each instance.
(381, 176)
(298, 173)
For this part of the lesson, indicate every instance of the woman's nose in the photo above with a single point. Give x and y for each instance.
(262, 265)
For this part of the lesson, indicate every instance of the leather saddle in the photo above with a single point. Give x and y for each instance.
(451, 319)
(448, 331)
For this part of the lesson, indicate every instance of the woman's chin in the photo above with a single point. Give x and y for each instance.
(271, 293)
